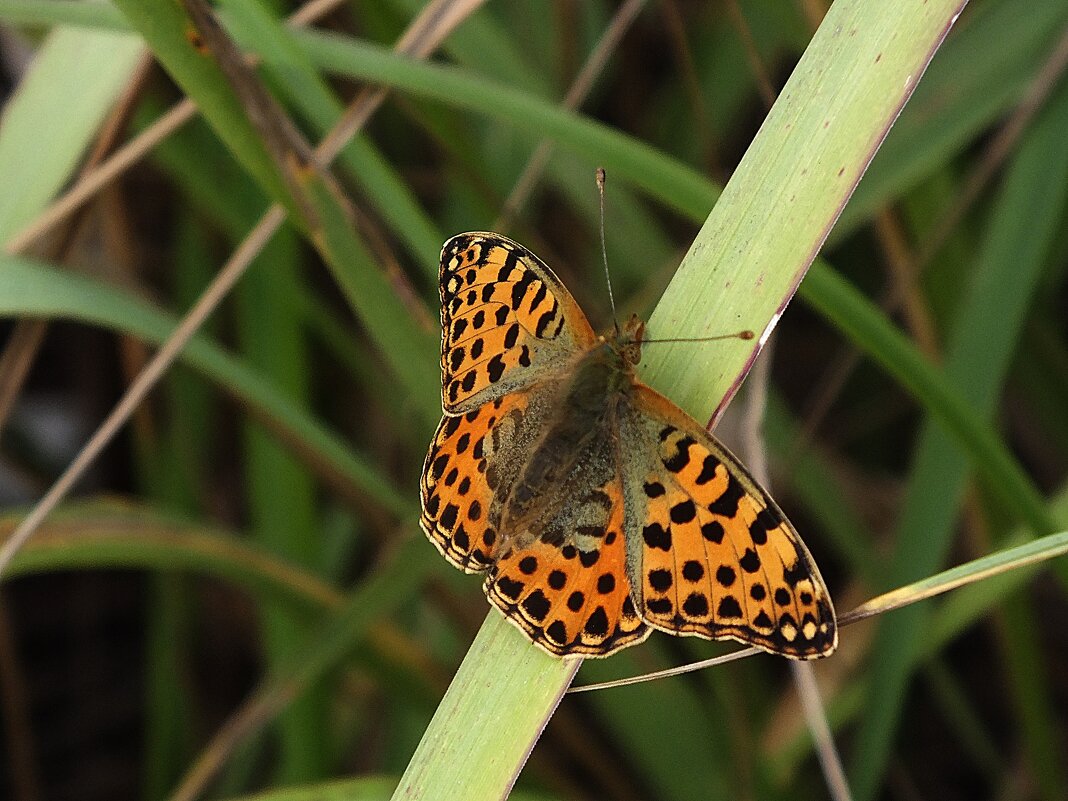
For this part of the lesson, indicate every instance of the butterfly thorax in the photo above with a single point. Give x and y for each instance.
(580, 432)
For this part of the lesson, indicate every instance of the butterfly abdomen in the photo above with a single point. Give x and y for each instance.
(579, 423)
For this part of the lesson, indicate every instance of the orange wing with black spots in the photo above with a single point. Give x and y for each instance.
(506, 321)
(572, 601)
(457, 499)
(712, 555)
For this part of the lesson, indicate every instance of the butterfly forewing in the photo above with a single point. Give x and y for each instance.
(710, 552)
(458, 509)
(506, 320)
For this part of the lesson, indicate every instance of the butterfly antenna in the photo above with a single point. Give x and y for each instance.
(744, 334)
(604, 250)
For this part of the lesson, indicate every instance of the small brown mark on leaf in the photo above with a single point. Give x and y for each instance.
(192, 35)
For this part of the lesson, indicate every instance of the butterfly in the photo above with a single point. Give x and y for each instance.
(596, 507)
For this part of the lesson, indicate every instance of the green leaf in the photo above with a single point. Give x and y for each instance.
(57, 109)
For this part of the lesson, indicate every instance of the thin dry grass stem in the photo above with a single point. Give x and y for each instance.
(250, 717)
(576, 94)
(22, 346)
(313, 11)
(666, 673)
(767, 89)
(814, 11)
(756, 402)
(756, 457)
(89, 184)
(922, 590)
(145, 381)
(430, 31)
(702, 120)
(881, 604)
(904, 279)
(998, 150)
(271, 698)
(1031, 553)
(816, 719)
(422, 37)
(20, 350)
(281, 138)
(1000, 147)
(753, 410)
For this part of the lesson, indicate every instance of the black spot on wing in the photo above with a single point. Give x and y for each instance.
(725, 575)
(764, 522)
(683, 512)
(660, 580)
(495, 368)
(695, 605)
(544, 321)
(713, 532)
(708, 469)
(750, 562)
(678, 460)
(693, 571)
(597, 623)
(660, 606)
(727, 503)
(557, 632)
(656, 536)
(729, 608)
(537, 605)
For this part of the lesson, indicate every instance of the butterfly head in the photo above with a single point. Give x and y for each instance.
(629, 342)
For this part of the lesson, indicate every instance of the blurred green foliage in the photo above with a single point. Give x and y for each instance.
(266, 542)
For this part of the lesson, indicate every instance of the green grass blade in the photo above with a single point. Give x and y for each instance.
(280, 490)
(170, 34)
(108, 534)
(496, 706)
(665, 179)
(1015, 558)
(52, 117)
(63, 12)
(311, 96)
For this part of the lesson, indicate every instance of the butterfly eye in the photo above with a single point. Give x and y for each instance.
(632, 352)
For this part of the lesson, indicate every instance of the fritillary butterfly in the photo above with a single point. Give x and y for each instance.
(597, 508)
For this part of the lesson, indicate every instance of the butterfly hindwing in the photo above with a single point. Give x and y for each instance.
(572, 598)
(506, 320)
(711, 554)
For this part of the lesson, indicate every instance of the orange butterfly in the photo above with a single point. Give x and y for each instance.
(598, 509)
